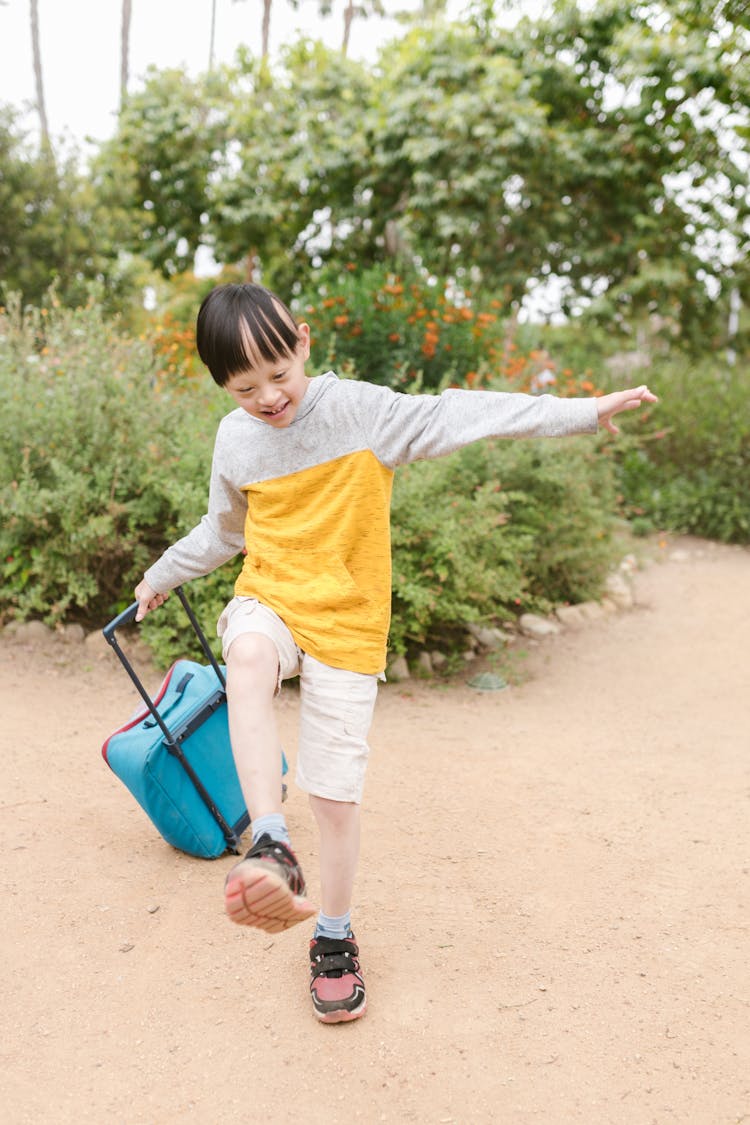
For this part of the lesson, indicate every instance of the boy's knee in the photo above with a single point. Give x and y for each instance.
(254, 655)
(338, 814)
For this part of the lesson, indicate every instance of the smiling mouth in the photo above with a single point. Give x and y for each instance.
(276, 413)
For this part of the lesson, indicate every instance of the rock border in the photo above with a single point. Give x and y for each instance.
(481, 640)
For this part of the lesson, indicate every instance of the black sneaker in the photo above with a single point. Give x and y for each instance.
(336, 984)
(266, 889)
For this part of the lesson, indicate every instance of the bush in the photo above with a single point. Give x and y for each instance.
(498, 528)
(391, 329)
(685, 466)
(98, 470)
(104, 460)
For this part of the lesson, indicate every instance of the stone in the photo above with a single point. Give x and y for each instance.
(424, 663)
(570, 616)
(619, 591)
(487, 636)
(439, 659)
(32, 631)
(537, 627)
(398, 669)
(591, 611)
(74, 633)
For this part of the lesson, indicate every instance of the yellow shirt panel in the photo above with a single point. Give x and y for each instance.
(319, 554)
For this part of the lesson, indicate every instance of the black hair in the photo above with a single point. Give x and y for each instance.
(240, 325)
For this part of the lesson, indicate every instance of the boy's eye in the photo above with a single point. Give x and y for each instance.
(279, 375)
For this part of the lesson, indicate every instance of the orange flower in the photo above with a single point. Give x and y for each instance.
(341, 320)
(394, 338)
(329, 302)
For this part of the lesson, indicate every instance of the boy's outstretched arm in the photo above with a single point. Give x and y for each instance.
(609, 405)
(147, 599)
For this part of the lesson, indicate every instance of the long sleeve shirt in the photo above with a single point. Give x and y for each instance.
(310, 503)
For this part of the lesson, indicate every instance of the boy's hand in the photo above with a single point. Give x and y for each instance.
(609, 405)
(147, 598)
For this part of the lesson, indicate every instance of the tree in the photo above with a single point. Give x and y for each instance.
(38, 80)
(372, 7)
(212, 37)
(285, 191)
(154, 172)
(265, 27)
(52, 227)
(127, 11)
(563, 149)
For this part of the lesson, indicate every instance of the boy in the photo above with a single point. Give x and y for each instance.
(301, 479)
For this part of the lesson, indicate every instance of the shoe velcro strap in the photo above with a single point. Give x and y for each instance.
(334, 962)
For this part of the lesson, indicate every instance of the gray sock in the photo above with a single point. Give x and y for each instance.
(273, 825)
(333, 926)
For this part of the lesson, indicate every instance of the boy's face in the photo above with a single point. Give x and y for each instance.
(272, 391)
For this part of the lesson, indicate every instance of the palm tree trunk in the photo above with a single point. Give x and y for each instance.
(127, 11)
(37, 56)
(212, 40)
(266, 28)
(348, 17)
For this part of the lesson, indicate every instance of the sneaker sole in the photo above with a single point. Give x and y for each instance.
(342, 1015)
(254, 896)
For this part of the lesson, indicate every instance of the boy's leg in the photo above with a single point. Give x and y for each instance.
(337, 987)
(336, 713)
(338, 825)
(252, 678)
(266, 889)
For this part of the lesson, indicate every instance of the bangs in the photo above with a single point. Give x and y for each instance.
(240, 326)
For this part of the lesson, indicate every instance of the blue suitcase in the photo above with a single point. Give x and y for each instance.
(174, 754)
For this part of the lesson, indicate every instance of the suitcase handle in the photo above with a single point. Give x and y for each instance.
(128, 616)
(124, 618)
(109, 631)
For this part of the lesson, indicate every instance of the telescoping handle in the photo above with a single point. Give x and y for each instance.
(126, 618)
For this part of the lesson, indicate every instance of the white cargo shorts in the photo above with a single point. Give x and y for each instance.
(336, 706)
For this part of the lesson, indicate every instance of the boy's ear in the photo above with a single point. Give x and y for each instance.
(304, 338)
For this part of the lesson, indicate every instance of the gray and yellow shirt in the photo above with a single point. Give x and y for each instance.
(311, 503)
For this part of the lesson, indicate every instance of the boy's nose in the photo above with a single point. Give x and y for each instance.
(268, 395)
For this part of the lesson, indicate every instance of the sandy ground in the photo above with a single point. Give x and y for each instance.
(552, 905)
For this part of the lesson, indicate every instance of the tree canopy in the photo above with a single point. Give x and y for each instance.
(604, 149)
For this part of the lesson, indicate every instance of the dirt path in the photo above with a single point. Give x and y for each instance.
(553, 900)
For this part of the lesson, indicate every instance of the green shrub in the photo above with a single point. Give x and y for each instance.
(97, 471)
(104, 461)
(496, 529)
(685, 465)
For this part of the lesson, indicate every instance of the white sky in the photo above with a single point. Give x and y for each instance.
(80, 45)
